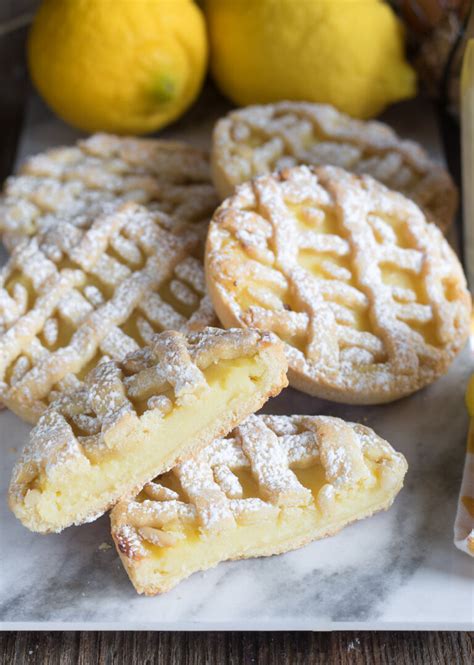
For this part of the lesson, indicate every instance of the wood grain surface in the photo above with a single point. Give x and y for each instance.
(13, 91)
(11, 10)
(145, 648)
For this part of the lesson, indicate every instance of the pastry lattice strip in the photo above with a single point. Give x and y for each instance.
(77, 183)
(391, 318)
(74, 297)
(262, 139)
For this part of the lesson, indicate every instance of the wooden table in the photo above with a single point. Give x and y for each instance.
(142, 648)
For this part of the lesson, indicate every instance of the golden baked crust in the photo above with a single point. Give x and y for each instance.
(133, 419)
(74, 184)
(370, 299)
(261, 139)
(70, 297)
(274, 484)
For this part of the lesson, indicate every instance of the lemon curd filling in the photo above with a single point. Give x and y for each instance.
(319, 266)
(273, 484)
(287, 528)
(235, 387)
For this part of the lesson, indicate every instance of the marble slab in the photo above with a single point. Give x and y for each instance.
(396, 570)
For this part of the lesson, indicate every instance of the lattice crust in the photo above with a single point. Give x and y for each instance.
(74, 297)
(75, 183)
(125, 403)
(370, 299)
(261, 139)
(297, 463)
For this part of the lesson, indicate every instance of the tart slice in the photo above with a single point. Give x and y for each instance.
(134, 419)
(274, 484)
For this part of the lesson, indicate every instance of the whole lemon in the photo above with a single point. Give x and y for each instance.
(349, 53)
(128, 66)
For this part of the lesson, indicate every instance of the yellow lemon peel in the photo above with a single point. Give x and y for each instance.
(127, 67)
(349, 54)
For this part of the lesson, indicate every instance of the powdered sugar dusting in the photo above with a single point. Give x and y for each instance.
(269, 447)
(112, 280)
(112, 405)
(261, 139)
(358, 293)
(77, 184)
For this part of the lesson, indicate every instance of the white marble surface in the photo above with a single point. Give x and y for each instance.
(398, 569)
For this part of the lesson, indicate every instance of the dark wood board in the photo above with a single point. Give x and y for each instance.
(144, 648)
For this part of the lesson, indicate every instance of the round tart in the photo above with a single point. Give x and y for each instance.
(261, 139)
(370, 299)
(71, 297)
(74, 183)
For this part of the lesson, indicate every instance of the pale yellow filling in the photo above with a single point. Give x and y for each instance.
(287, 528)
(315, 263)
(71, 495)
